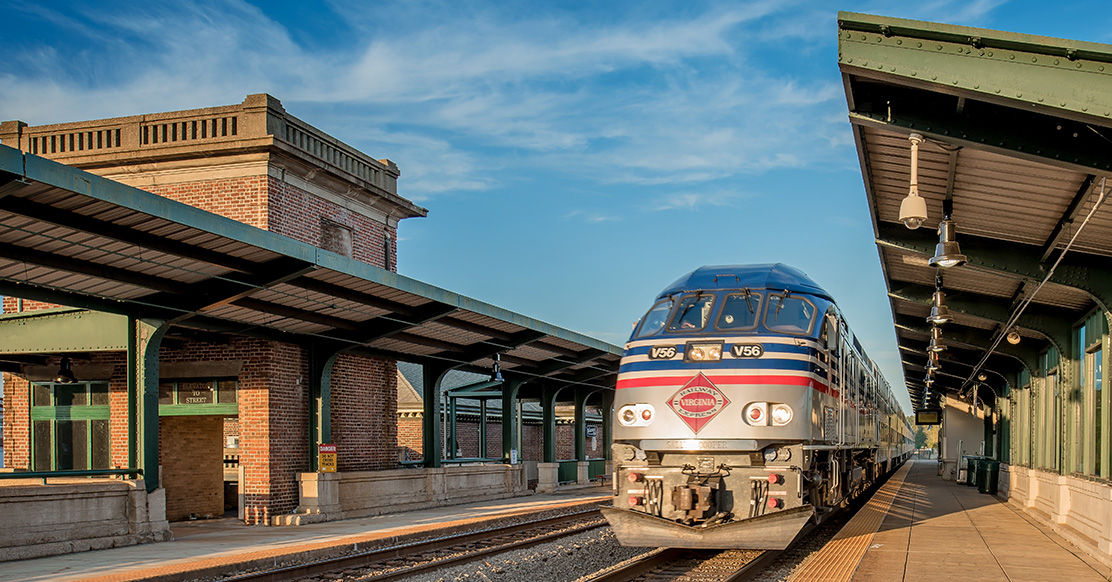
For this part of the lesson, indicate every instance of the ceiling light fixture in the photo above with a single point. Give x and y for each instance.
(936, 344)
(940, 314)
(947, 254)
(496, 372)
(65, 372)
(913, 209)
(1014, 337)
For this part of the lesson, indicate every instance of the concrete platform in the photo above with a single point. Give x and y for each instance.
(223, 546)
(920, 527)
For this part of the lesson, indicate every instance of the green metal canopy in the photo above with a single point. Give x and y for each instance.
(71, 237)
(1018, 142)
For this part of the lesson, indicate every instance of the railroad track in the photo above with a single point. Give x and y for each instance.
(408, 559)
(720, 565)
(689, 565)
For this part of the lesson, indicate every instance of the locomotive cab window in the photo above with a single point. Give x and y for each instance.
(693, 313)
(789, 314)
(654, 320)
(739, 311)
(829, 333)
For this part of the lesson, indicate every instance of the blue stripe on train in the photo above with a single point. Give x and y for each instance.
(768, 348)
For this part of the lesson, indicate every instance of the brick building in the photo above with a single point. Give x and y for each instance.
(223, 398)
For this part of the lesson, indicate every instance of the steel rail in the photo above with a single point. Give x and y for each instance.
(701, 565)
(430, 552)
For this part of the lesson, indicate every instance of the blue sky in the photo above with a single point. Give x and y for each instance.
(575, 157)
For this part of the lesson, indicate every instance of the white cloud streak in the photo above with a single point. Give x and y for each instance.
(454, 97)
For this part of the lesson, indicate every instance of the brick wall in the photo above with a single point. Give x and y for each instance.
(410, 445)
(192, 465)
(243, 199)
(17, 422)
(13, 305)
(298, 214)
(364, 409)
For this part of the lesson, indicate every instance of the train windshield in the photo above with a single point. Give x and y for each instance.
(740, 310)
(693, 313)
(789, 314)
(654, 320)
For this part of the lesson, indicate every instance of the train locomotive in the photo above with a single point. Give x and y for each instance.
(745, 408)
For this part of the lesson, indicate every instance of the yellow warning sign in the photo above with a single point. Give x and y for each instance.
(326, 461)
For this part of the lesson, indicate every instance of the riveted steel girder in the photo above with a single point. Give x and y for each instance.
(1022, 355)
(486, 349)
(1068, 78)
(1088, 273)
(1053, 324)
(62, 331)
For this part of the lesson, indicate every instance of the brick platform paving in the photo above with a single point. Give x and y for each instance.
(920, 527)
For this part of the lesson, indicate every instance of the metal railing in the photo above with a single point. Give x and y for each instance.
(44, 475)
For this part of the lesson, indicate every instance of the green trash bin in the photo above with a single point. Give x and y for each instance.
(971, 471)
(981, 475)
(991, 478)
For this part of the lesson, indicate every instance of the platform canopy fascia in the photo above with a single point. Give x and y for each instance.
(70, 237)
(1017, 135)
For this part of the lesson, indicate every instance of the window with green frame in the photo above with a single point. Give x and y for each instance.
(69, 426)
(198, 396)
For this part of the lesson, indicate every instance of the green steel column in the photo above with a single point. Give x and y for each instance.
(321, 360)
(509, 418)
(607, 419)
(483, 428)
(1105, 420)
(581, 424)
(430, 425)
(143, 371)
(452, 442)
(548, 416)
(132, 393)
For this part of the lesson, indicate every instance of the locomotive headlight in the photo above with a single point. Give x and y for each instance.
(636, 414)
(756, 413)
(703, 351)
(781, 414)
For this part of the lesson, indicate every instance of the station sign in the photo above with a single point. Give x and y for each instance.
(326, 461)
(928, 417)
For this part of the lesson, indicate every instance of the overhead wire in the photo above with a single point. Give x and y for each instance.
(1018, 312)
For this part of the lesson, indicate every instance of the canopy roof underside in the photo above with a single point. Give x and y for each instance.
(70, 237)
(1018, 137)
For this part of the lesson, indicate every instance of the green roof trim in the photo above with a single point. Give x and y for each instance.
(1057, 76)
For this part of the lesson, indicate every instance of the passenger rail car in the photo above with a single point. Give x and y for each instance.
(745, 408)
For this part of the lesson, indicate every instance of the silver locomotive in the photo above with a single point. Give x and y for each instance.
(745, 408)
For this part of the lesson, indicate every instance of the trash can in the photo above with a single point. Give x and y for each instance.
(991, 478)
(971, 470)
(981, 475)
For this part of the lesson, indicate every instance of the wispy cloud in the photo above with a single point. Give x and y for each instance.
(696, 200)
(590, 217)
(455, 97)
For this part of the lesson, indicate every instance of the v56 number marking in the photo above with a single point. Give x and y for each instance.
(747, 350)
(662, 352)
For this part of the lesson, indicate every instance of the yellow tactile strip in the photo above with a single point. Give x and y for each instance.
(838, 559)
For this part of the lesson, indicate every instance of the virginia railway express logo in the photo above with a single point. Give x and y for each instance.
(698, 401)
